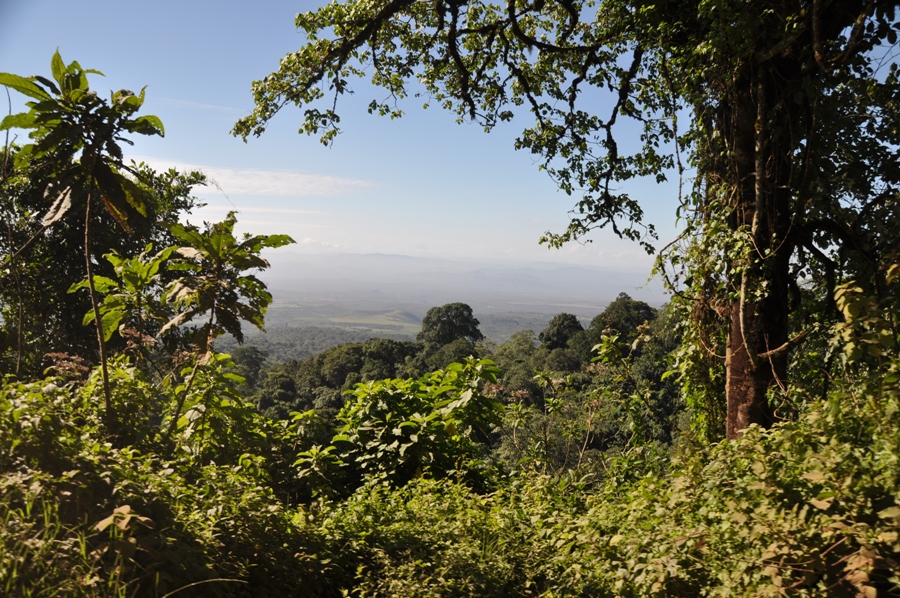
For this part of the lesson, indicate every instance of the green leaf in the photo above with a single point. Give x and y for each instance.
(133, 194)
(51, 141)
(22, 120)
(47, 83)
(147, 125)
(78, 285)
(104, 284)
(82, 80)
(109, 321)
(58, 67)
(23, 86)
(279, 241)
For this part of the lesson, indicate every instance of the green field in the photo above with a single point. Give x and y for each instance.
(297, 315)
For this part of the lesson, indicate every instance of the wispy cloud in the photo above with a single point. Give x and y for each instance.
(269, 183)
(244, 209)
(306, 241)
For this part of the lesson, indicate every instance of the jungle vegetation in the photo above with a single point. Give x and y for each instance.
(744, 439)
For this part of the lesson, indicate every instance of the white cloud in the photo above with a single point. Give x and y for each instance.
(314, 243)
(259, 182)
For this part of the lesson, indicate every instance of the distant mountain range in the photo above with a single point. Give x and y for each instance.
(378, 282)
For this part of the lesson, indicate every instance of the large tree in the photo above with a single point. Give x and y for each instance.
(447, 323)
(789, 141)
(559, 330)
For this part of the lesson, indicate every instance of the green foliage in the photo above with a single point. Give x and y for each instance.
(133, 300)
(561, 328)
(318, 381)
(453, 352)
(68, 117)
(78, 135)
(864, 330)
(807, 509)
(558, 479)
(75, 160)
(82, 518)
(443, 325)
(396, 430)
(295, 343)
(249, 364)
(214, 423)
(784, 115)
(624, 316)
(214, 279)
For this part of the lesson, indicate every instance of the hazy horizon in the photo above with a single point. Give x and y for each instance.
(379, 281)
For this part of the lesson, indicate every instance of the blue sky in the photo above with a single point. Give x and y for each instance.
(421, 185)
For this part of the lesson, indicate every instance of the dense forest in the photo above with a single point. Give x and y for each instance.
(743, 439)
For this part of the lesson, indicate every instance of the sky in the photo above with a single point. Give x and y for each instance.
(421, 185)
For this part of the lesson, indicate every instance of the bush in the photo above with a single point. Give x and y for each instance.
(810, 508)
(397, 430)
(81, 518)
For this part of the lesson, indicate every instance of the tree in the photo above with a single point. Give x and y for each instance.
(215, 283)
(623, 315)
(79, 134)
(791, 137)
(383, 358)
(453, 352)
(36, 306)
(561, 328)
(249, 363)
(445, 324)
(132, 299)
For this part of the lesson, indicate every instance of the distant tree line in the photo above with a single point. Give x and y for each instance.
(450, 333)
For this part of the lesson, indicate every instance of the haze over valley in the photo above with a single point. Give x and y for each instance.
(391, 293)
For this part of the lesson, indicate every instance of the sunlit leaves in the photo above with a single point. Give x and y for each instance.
(215, 280)
(82, 133)
(134, 298)
(396, 430)
(24, 86)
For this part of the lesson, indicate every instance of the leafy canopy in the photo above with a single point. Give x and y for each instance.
(214, 280)
(447, 323)
(81, 134)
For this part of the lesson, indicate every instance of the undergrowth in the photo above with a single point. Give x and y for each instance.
(809, 508)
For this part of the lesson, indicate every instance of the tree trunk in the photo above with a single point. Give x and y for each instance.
(756, 353)
(98, 321)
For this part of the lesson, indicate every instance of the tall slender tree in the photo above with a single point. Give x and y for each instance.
(215, 283)
(77, 135)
